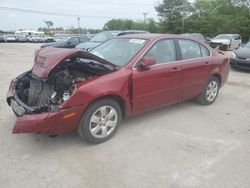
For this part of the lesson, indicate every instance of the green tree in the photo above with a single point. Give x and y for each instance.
(172, 13)
(212, 17)
(118, 24)
(127, 24)
(152, 26)
(138, 25)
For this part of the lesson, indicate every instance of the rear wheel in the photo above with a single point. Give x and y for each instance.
(210, 91)
(100, 121)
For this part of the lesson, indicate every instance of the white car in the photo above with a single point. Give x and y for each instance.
(9, 38)
(226, 41)
(35, 38)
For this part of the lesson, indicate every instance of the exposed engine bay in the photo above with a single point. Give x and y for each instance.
(46, 95)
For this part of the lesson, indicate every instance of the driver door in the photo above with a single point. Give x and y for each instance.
(159, 84)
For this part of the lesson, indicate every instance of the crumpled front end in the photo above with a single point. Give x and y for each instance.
(37, 97)
(37, 105)
(63, 121)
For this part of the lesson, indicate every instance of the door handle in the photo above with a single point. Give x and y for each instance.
(207, 63)
(175, 69)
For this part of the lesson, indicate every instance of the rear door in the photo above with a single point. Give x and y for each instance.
(195, 67)
(159, 85)
(236, 42)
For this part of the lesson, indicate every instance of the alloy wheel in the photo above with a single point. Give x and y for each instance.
(212, 91)
(103, 121)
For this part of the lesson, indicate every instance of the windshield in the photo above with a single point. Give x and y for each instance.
(119, 51)
(103, 36)
(224, 37)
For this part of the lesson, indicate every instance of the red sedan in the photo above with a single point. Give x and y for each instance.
(69, 89)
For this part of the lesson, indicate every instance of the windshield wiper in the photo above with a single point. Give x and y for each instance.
(100, 65)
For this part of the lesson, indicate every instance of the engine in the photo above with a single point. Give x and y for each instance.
(47, 95)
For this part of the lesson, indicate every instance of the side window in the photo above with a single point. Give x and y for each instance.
(204, 51)
(189, 49)
(163, 51)
(237, 37)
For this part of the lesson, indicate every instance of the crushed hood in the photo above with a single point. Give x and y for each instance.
(46, 59)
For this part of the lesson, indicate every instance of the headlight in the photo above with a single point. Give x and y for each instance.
(66, 96)
(233, 55)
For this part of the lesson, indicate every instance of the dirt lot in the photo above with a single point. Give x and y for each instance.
(184, 145)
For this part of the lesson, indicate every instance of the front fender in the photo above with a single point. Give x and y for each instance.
(117, 83)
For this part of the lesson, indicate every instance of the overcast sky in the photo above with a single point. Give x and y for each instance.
(93, 13)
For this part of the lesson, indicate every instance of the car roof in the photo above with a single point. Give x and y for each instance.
(134, 31)
(125, 31)
(157, 36)
(194, 34)
(151, 36)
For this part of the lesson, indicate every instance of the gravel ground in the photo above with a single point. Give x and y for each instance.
(184, 145)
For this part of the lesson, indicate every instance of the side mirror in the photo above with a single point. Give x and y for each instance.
(146, 62)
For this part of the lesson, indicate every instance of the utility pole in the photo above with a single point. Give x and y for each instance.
(145, 15)
(78, 21)
(182, 24)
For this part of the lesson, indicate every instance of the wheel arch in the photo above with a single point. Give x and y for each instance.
(218, 76)
(114, 97)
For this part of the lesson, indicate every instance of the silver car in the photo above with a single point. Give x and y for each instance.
(226, 41)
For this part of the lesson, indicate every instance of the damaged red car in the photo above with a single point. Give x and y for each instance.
(69, 89)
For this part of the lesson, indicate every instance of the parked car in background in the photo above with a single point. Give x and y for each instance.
(226, 41)
(2, 38)
(35, 38)
(21, 38)
(70, 89)
(104, 36)
(58, 40)
(198, 36)
(49, 39)
(241, 57)
(9, 38)
(61, 38)
(71, 42)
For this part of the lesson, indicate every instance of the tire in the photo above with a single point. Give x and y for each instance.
(100, 121)
(209, 92)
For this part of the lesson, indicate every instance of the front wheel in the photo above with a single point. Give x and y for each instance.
(100, 121)
(210, 91)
